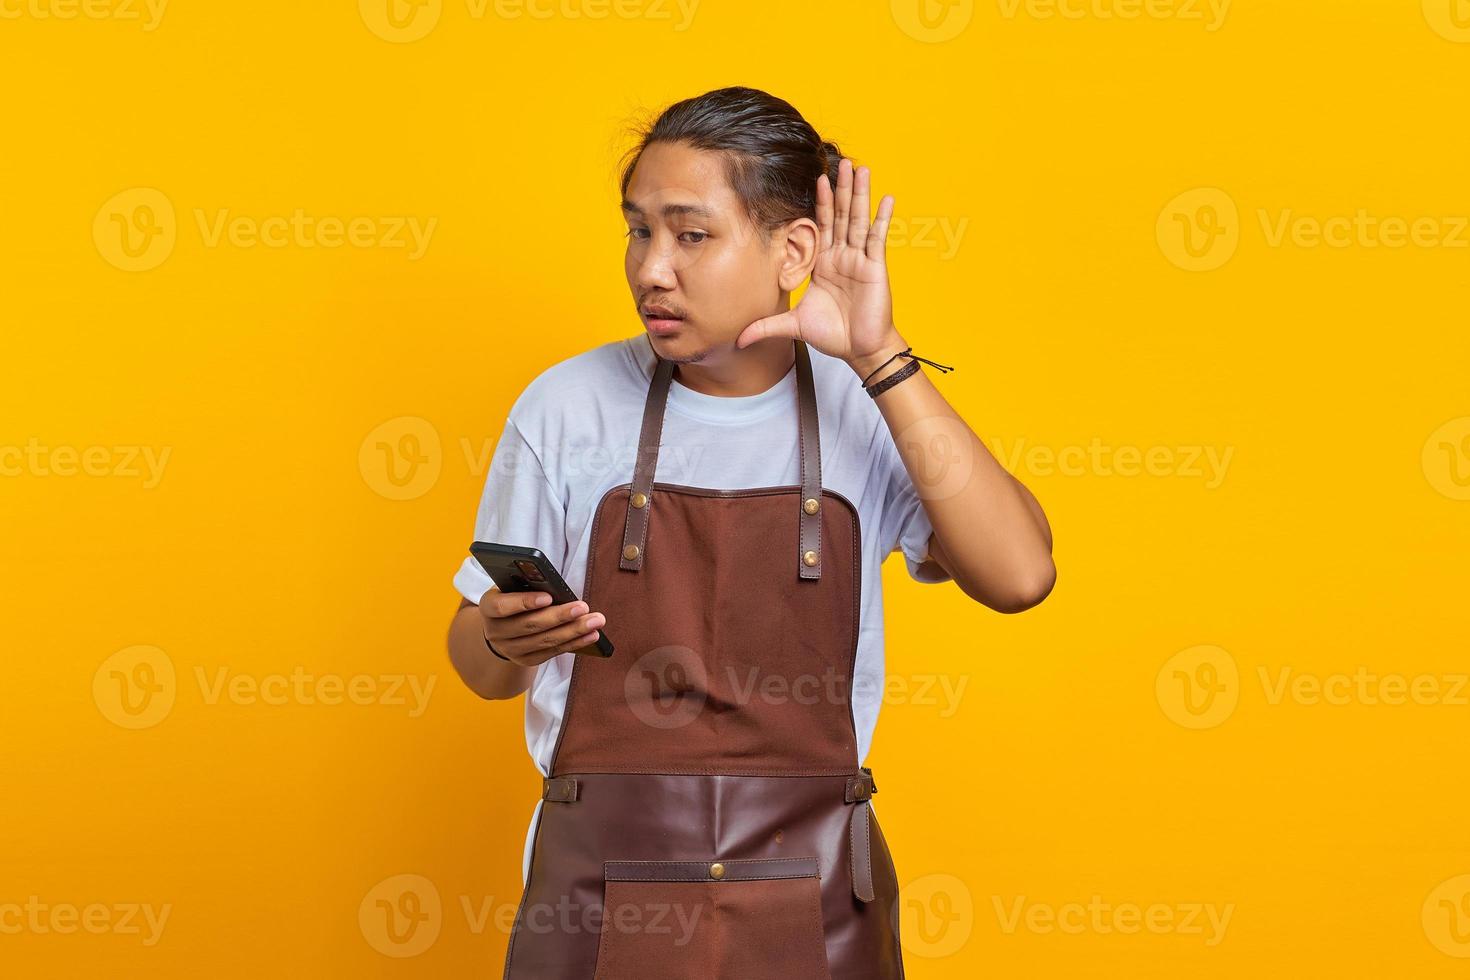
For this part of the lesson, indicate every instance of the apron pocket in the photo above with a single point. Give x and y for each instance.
(757, 919)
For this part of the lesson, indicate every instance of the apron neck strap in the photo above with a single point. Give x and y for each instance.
(640, 495)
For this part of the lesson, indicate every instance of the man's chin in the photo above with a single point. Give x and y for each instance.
(683, 346)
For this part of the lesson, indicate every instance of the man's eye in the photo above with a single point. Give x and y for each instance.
(691, 237)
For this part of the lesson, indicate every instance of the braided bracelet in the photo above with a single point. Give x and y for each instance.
(907, 371)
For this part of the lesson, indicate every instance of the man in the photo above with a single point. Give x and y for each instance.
(722, 498)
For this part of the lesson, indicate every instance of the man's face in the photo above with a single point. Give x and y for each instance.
(693, 251)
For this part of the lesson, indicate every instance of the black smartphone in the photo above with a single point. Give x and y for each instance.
(516, 569)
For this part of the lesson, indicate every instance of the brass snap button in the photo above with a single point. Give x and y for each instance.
(639, 500)
(809, 505)
(630, 552)
(810, 558)
(717, 870)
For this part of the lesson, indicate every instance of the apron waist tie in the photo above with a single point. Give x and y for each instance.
(860, 789)
(559, 789)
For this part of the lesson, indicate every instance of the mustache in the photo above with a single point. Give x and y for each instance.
(663, 305)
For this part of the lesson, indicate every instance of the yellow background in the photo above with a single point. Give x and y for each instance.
(1075, 767)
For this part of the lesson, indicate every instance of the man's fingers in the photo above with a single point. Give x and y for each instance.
(498, 605)
(784, 324)
(824, 212)
(857, 224)
(538, 620)
(843, 201)
(568, 636)
(878, 234)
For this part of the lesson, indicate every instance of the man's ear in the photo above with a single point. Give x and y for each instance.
(798, 252)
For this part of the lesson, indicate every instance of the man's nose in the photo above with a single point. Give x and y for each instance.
(656, 269)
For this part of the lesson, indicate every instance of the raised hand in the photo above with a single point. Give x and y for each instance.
(847, 310)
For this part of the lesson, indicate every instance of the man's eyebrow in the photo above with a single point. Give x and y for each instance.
(670, 210)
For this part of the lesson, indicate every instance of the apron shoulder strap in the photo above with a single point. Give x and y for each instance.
(635, 528)
(809, 544)
(640, 494)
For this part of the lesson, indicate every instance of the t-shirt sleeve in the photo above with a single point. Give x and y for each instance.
(518, 506)
(904, 525)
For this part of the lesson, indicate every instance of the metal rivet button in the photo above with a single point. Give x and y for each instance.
(717, 870)
(810, 558)
(630, 552)
(639, 500)
(809, 505)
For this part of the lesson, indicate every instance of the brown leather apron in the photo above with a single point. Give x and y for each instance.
(705, 816)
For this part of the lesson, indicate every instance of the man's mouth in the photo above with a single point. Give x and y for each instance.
(662, 320)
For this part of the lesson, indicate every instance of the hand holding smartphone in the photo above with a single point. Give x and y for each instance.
(517, 569)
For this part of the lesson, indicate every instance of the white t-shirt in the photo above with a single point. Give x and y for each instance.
(573, 433)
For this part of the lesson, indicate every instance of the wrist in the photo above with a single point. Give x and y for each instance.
(866, 363)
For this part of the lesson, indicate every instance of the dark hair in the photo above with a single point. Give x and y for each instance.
(772, 155)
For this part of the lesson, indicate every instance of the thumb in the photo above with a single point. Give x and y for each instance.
(785, 324)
